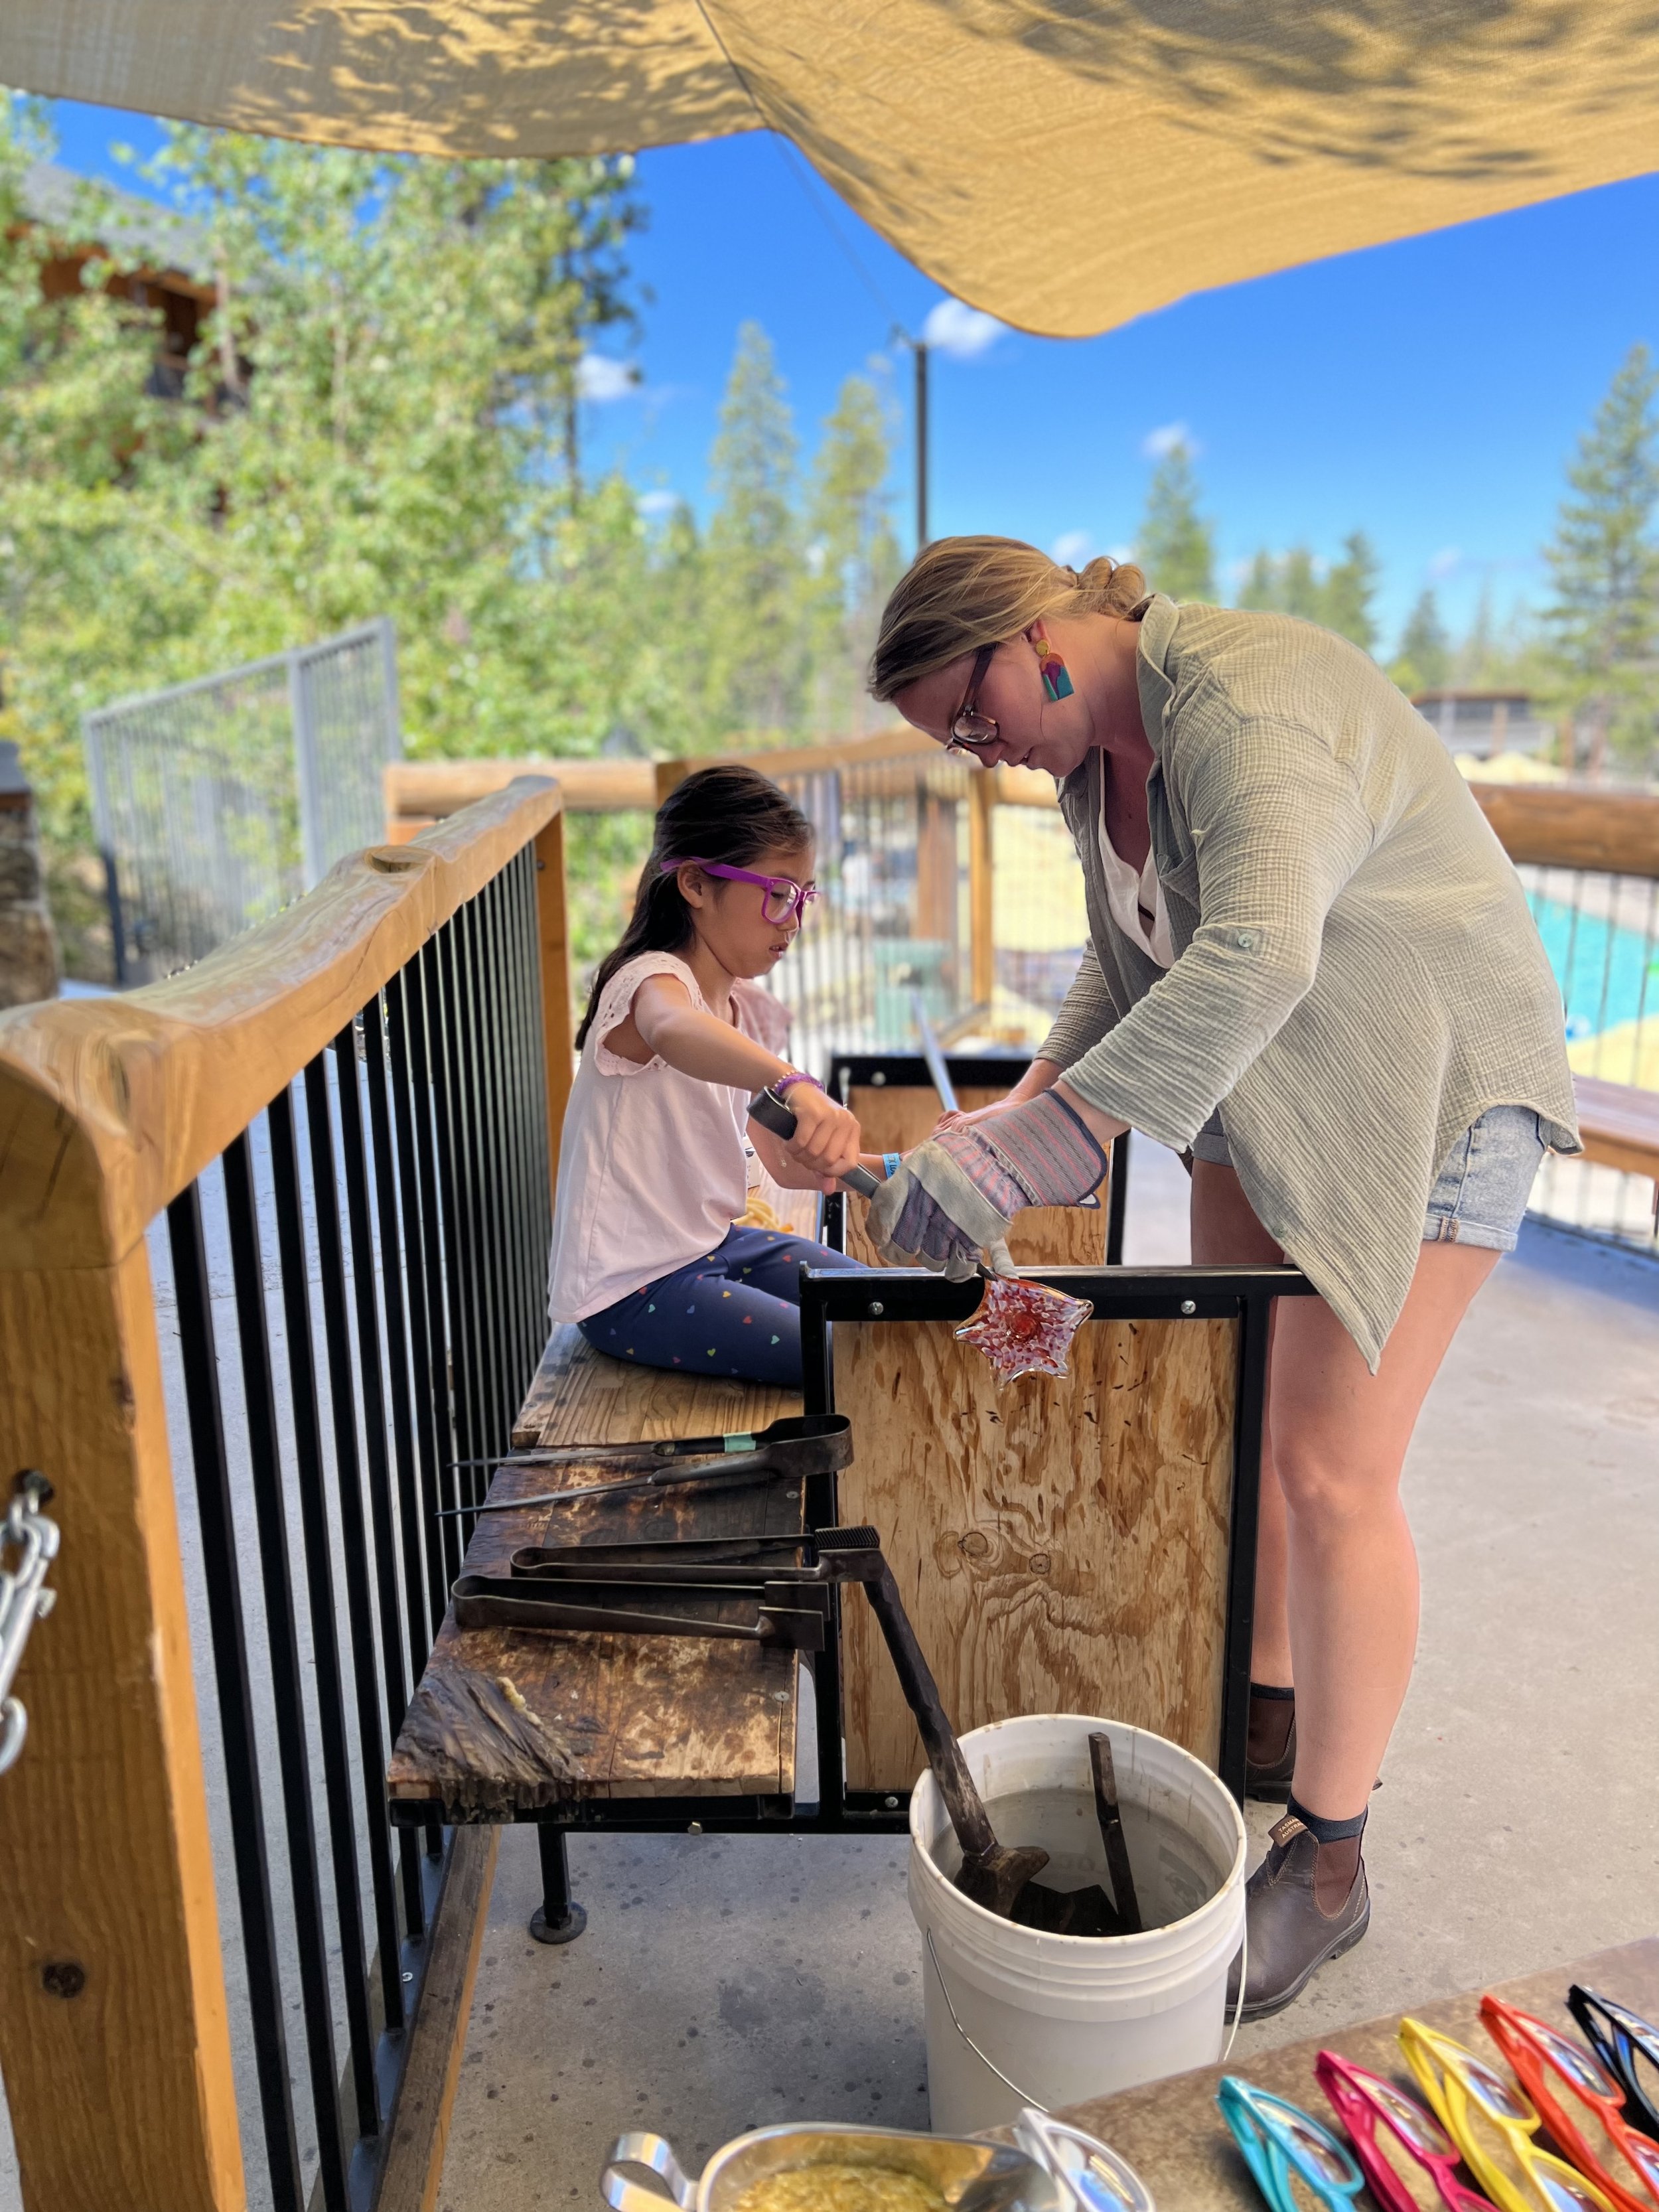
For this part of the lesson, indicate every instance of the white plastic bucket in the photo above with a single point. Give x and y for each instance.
(1069, 2017)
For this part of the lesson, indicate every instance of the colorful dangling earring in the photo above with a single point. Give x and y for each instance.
(1056, 681)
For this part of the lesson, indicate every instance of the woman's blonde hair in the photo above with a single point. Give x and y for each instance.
(960, 593)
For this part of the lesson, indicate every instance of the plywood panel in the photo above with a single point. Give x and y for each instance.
(896, 1118)
(1062, 1546)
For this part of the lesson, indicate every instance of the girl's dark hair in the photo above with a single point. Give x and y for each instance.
(730, 814)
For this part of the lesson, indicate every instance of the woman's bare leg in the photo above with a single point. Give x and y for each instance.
(1340, 1437)
(1226, 1234)
(1336, 1571)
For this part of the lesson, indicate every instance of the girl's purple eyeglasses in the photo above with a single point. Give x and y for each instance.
(786, 900)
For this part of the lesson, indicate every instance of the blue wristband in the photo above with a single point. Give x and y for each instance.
(892, 1163)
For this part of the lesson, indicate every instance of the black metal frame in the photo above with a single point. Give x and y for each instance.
(1243, 1294)
(968, 1071)
(410, 1192)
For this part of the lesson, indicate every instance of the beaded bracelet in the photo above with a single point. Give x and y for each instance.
(796, 1075)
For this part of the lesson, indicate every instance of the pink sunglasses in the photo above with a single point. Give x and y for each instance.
(786, 900)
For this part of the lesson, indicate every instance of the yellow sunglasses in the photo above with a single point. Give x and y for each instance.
(1492, 2121)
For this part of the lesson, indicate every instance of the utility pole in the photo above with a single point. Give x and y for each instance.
(919, 348)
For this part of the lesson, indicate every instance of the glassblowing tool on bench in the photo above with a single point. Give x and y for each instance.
(813, 1444)
(771, 1603)
(799, 1428)
(1022, 1327)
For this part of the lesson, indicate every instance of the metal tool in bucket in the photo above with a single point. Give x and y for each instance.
(1050, 2167)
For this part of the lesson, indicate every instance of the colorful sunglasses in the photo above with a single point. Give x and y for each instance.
(1476, 2105)
(786, 900)
(1361, 2100)
(1619, 2038)
(1626, 2163)
(1282, 2144)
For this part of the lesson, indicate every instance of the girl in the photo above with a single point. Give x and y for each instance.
(658, 1150)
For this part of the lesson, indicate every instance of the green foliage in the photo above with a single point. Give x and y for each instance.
(1339, 597)
(1602, 623)
(380, 419)
(1423, 661)
(1176, 544)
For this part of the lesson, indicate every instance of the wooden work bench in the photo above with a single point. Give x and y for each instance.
(1176, 2141)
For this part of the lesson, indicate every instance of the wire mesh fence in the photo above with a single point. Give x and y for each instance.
(218, 802)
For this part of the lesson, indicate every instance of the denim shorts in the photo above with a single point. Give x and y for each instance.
(1480, 1194)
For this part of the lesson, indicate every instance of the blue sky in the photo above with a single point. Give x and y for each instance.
(1429, 392)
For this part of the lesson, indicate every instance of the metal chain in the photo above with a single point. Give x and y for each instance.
(27, 1537)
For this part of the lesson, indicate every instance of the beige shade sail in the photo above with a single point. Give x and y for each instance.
(1064, 164)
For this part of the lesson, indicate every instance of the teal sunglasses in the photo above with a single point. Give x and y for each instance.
(1282, 2144)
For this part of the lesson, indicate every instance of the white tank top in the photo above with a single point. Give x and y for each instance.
(1136, 900)
(654, 1166)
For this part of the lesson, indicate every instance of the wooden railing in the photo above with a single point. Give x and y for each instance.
(436, 971)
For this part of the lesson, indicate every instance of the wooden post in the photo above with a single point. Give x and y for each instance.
(557, 1029)
(113, 2038)
(981, 798)
(669, 774)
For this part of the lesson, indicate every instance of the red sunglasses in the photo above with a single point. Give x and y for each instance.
(1548, 2064)
(1361, 2099)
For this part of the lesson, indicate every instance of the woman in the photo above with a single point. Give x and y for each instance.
(1313, 969)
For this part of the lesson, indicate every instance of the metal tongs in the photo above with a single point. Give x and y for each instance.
(806, 1444)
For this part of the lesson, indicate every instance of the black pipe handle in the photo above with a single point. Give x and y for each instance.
(962, 1799)
(772, 1113)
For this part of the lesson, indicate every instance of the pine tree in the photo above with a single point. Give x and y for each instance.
(1177, 545)
(1603, 623)
(853, 556)
(1350, 588)
(1259, 590)
(755, 564)
(1423, 661)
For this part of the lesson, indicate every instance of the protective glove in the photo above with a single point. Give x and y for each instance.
(954, 1196)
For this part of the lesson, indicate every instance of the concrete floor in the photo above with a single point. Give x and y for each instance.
(732, 1982)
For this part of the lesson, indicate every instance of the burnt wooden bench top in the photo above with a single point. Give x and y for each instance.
(508, 1723)
(1172, 2134)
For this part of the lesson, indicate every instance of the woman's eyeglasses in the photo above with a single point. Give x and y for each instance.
(1619, 2038)
(1364, 2102)
(1493, 2126)
(786, 900)
(1283, 2145)
(969, 727)
(1548, 2064)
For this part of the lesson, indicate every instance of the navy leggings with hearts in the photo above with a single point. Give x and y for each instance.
(736, 1311)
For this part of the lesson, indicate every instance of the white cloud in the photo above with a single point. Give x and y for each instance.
(960, 330)
(1122, 553)
(1448, 558)
(598, 378)
(655, 504)
(1157, 445)
(1071, 549)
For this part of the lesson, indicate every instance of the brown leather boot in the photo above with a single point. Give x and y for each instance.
(1270, 1747)
(1307, 1902)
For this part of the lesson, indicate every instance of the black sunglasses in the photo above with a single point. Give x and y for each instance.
(1618, 2037)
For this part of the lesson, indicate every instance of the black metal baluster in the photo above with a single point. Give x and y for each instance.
(319, 1591)
(482, 1123)
(514, 1135)
(287, 1669)
(458, 1274)
(492, 1129)
(398, 1279)
(411, 1100)
(465, 1221)
(394, 1688)
(354, 1541)
(540, 1153)
(224, 1597)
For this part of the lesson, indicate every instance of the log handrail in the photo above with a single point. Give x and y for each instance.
(1613, 833)
(110, 1107)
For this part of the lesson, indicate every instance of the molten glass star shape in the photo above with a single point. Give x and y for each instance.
(1024, 1329)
